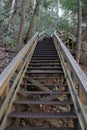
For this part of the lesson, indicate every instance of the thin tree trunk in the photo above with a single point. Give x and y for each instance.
(11, 13)
(38, 21)
(79, 31)
(21, 28)
(32, 22)
(45, 19)
(57, 12)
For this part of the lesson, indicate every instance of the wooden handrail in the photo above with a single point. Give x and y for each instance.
(11, 68)
(24, 57)
(79, 74)
(75, 78)
(42, 35)
(72, 37)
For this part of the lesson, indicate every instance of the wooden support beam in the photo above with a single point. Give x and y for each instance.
(6, 90)
(41, 86)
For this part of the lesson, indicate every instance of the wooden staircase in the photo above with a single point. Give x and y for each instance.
(44, 101)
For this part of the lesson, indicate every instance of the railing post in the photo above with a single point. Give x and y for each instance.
(5, 92)
(81, 95)
(20, 65)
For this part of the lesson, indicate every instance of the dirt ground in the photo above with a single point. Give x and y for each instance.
(7, 53)
(84, 68)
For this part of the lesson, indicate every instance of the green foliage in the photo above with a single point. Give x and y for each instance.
(47, 17)
(69, 5)
(84, 10)
(48, 3)
(4, 11)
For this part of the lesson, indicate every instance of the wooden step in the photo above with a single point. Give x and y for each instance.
(48, 85)
(44, 55)
(44, 68)
(47, 67)
(45, 48)
(27, 102)
(44, 64)
(47, 97)
(43, 115)
(38, 128)
(45, 52)
(44, 72)
(24, 92)
(46, 78)
(45, 61)
(45, 58)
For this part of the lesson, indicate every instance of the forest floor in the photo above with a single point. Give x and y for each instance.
(84, 68)
(7, 53)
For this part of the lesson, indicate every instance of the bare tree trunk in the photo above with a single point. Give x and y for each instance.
(32, 22)
(45, 19)
(21, 29)
(79, 31)
(38, 21)
(11, 13)
(57, 12)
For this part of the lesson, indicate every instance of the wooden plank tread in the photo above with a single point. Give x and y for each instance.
(45, 58)
(46, 78)
(44, 61)
(27, 102)
(47, 67)
(43, 55)
(45, 71)
(44, 93)
(39, 63)
(34, 115)
(38, 128)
